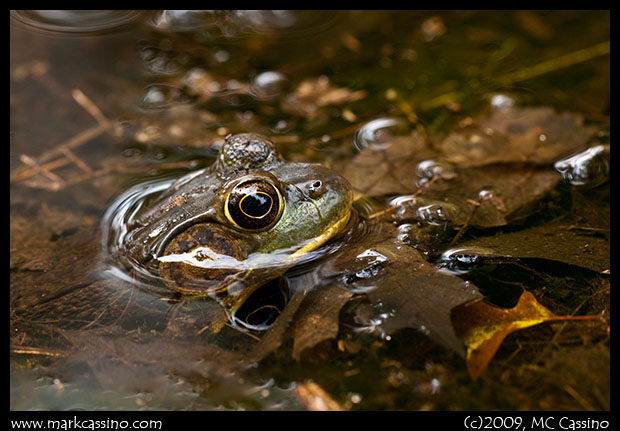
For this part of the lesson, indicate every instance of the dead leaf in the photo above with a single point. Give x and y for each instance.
(313, 94)
(405, 290)
(560, 240)
(483, 327)
(507, 153)
(526, 135)
(388, 169)
(319, 318)
(505, 196)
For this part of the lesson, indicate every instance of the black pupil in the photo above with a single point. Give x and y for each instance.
(256, 204)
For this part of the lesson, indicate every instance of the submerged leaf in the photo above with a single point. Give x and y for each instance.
(405, 290)
(527, 135)
(505, 196)
(313, 94)
(483, 327)
(389, 168)
(319, 319)
(561, 241)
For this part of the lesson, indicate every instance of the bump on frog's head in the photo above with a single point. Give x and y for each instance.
(247, 151)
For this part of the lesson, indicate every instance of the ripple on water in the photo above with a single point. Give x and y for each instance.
(237, 23)
(76, 22)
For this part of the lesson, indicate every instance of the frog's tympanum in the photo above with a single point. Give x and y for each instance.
(226, 230)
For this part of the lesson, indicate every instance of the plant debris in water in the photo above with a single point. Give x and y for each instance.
(477, 276)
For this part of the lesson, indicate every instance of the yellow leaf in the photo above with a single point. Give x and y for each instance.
(483, 327)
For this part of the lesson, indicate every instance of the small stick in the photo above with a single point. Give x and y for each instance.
(91, 108)
(466, 224)
(75, 159)
(34, 351)
(31, 162)
(23, 174)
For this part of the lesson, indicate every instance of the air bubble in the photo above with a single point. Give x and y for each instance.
(502, 102)
(587, 169)
(159, 96)
(269, 84)
(462, 260)
(380, 132)
(430, 169)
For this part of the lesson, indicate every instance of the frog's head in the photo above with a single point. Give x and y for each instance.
(243, 221)
(282, 205)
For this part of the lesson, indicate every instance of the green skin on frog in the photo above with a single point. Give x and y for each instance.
(226, 230)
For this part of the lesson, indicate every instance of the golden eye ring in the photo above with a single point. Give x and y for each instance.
(254, 205)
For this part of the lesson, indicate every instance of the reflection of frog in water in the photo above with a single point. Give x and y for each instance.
(243, 221)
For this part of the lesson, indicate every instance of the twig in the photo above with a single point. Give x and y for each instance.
(581, 400)
(75, 159)
(77, 140)
(463, 228)
(91, 108)
(33, 164)
(586, 228)
(35, 351)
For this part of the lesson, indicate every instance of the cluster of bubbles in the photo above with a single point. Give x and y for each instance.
(233, 23)
(364, 279)
(428, 170)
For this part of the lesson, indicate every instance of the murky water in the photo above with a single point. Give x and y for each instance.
(109, 108)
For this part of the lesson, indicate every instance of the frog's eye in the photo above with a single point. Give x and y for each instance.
(254, 205)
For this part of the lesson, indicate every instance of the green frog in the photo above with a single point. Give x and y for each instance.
(225, 230)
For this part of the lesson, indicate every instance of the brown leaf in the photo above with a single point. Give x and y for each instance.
(505, 195)
(483, 327)
(560, 240)
(527, 135)
(319, 318)
(388, 169)
(310, 317)
(406, 291)
(313, 94)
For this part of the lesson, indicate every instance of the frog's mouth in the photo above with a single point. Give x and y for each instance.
(234, 291)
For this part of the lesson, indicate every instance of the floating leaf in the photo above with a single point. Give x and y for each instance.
(533, 136)
(504, 195)
(527, 135)
(405, 290)
(483, 327)
(389, 168)
(560, 240)
(313, 94)
(319, 318)
(310, 317)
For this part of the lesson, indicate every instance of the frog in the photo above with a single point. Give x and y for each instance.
(227, 229)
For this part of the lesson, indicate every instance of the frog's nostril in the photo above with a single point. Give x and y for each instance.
(316, 188)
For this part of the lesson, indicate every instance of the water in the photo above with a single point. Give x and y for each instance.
(109, 107)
